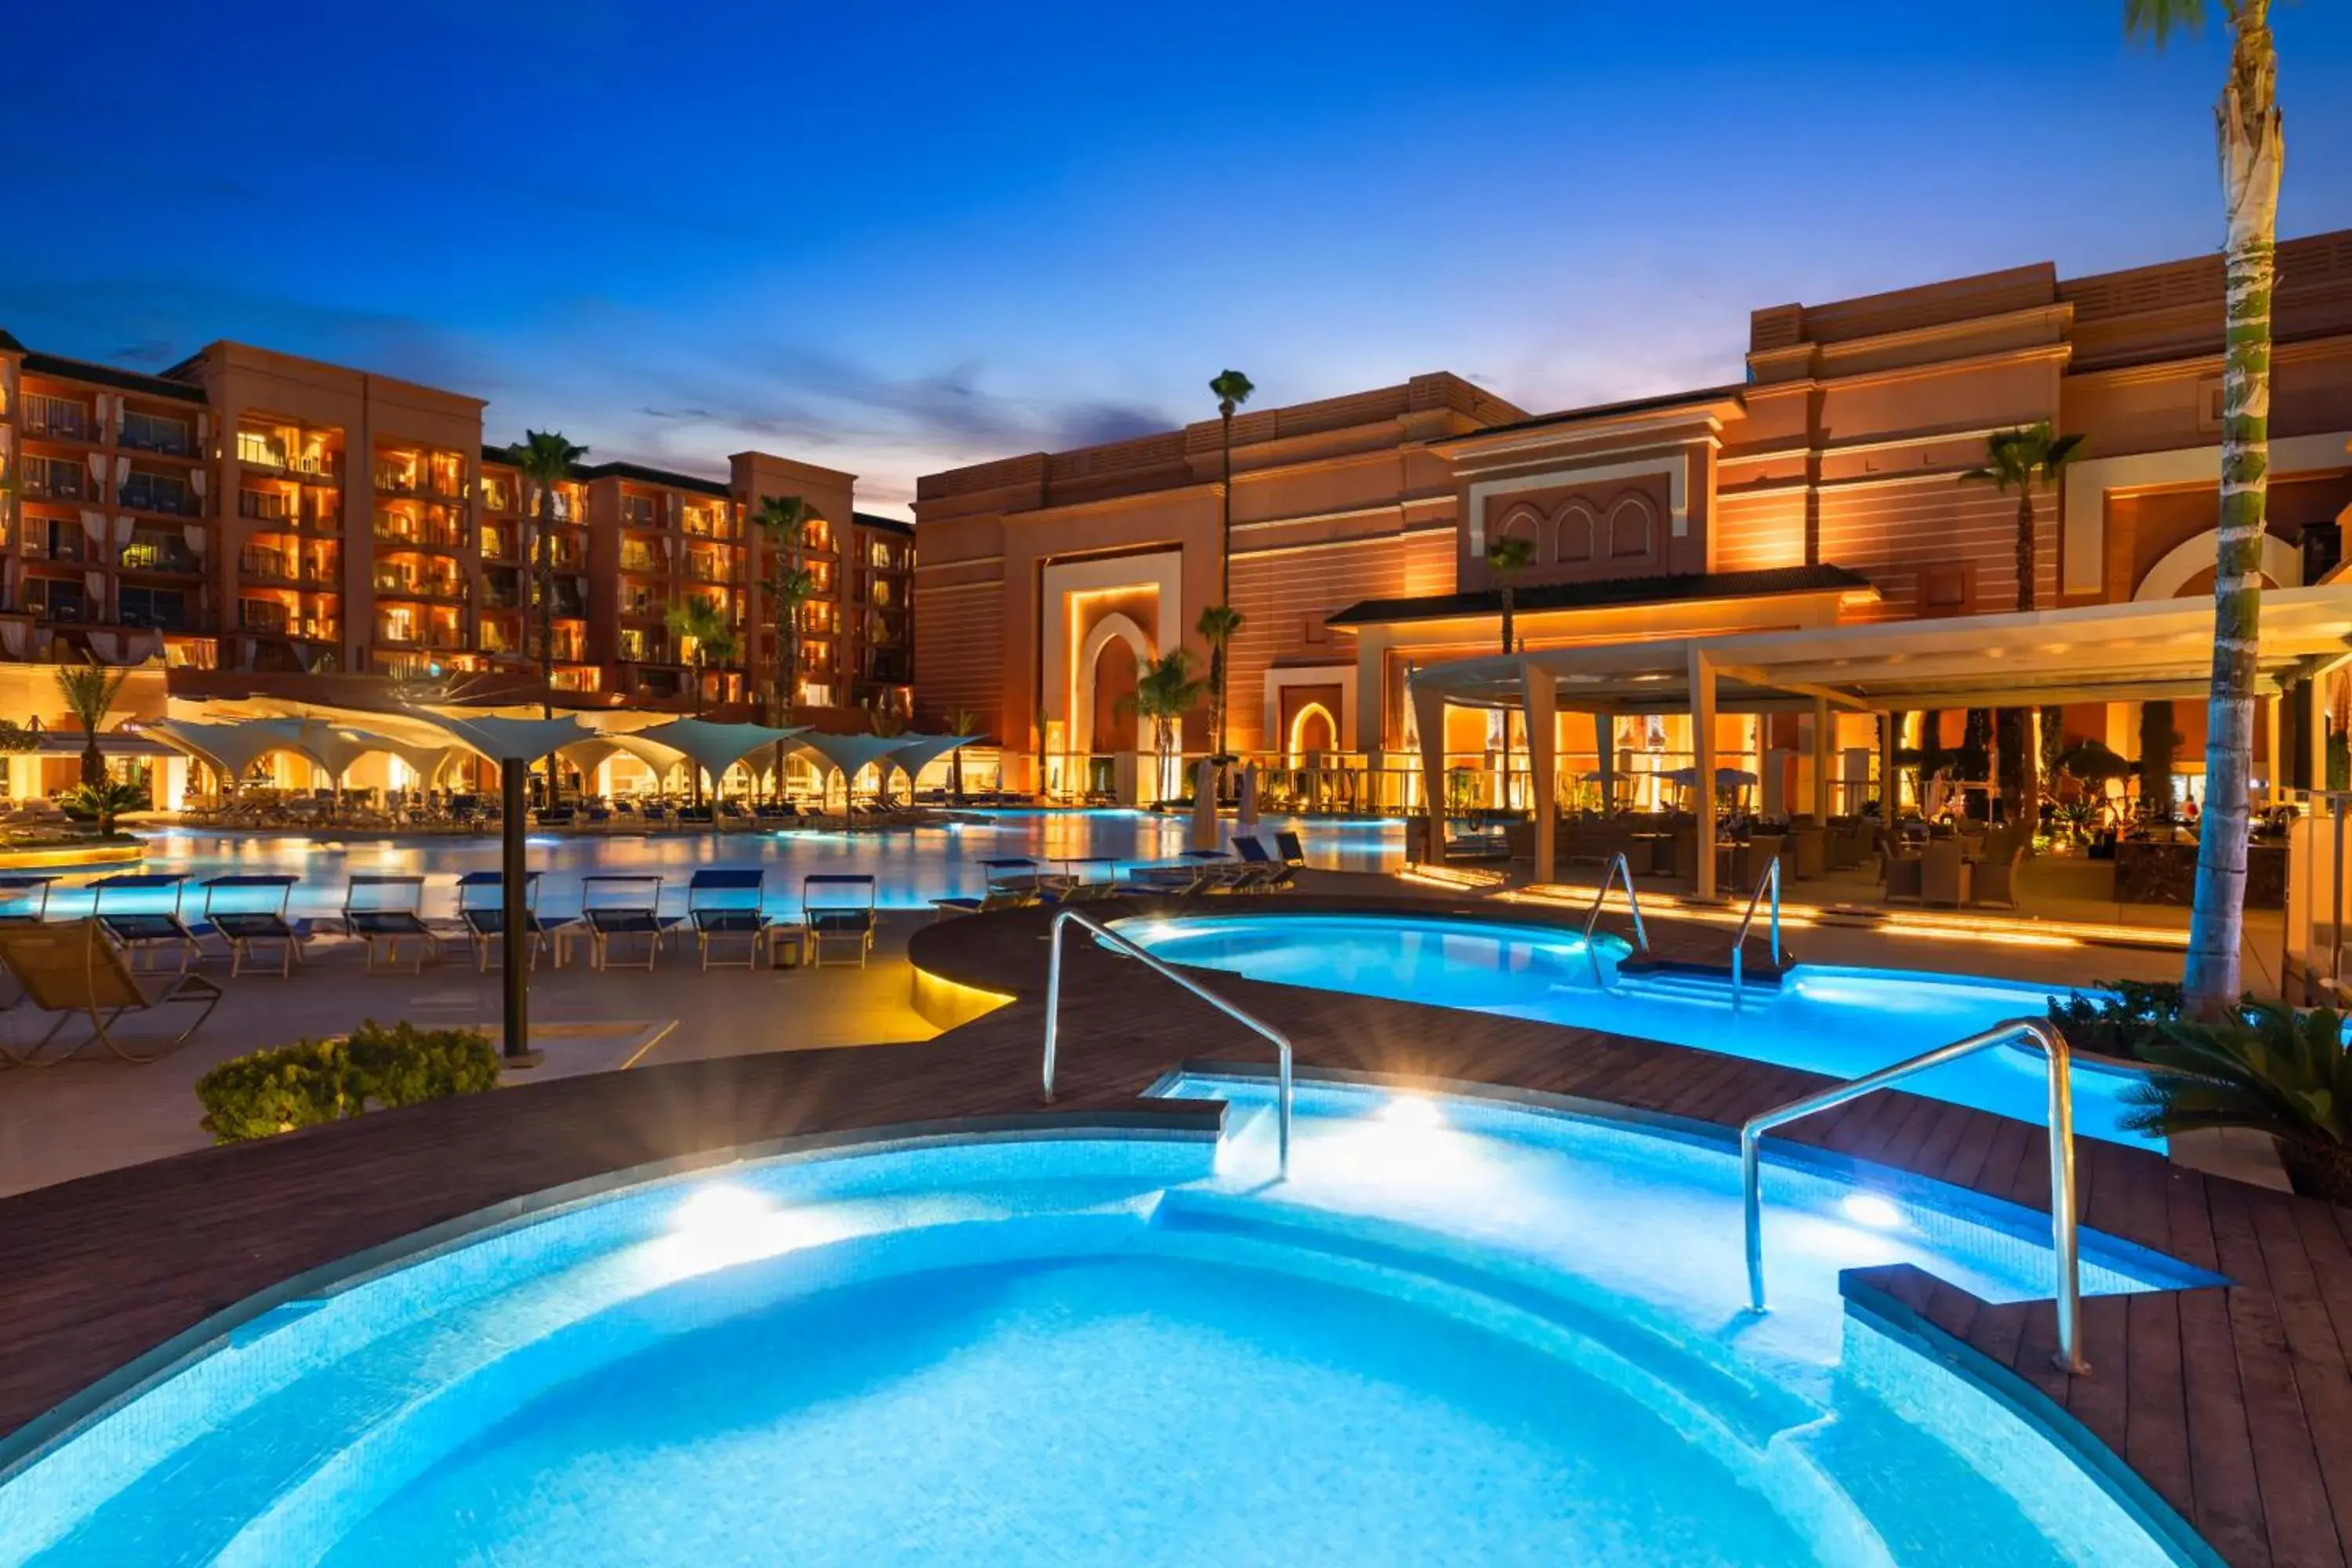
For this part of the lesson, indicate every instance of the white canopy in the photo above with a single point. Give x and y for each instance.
(512, 740)
(917, 752)
(229, 748)
(713, 748)
(851, 754)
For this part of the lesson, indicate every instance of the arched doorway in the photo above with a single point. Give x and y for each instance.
(1114, 693)
(1312, 730)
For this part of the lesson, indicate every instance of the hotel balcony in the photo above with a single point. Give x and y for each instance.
(164, 437)
(160, 555)
(404, 585)
(164, 493)
(48, 478)
(52, 419)
(309, 467)
(409, 634)
(391, 528)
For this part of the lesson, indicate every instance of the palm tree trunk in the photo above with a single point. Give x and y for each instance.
(2253, 152)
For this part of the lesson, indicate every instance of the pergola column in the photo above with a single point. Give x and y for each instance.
(1702, 701)
(2273, 787)
(1541, 699)
(2313, 730)
(1888, 786)
(1429, 717)
(1604, 741)
(1824, 735)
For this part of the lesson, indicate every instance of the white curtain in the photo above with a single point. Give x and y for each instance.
(122, 531)
(97, 467)
(121, 469)
(196, 482)
(194, 534)
(93, 526)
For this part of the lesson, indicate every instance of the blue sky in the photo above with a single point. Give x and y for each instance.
(894, 238)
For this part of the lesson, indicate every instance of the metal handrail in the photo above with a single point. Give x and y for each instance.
(2062, 1238)
(1280, 1041)
(1771, 878)
(1618, 865)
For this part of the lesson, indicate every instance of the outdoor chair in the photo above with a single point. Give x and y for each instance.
(482, 910)
(1748, 860)
(994, 899)
(73, 968)
(831, 912)
(147, 929)
(1270, 875)
(1900, 873)
(1943, 873)
(627, 906)
(249, 912)
(724, 902)
(386, 912)
(1994, 882)
(1008, 883)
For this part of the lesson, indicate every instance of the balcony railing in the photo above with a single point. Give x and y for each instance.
(426, 535)
(158, 557)
(416, 637)
(44, 480)
(161, 436)
(402, 583)
(299, 465)
(143, 492)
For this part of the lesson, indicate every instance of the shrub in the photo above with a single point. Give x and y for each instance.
(2122, 1024)
(314, 1081)
(2272, 1069)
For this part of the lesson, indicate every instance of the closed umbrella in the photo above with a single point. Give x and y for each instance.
(1245, 813)
(1205, 806)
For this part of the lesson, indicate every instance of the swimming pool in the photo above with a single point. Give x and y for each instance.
(1840, 1022)
(1464, 1330)
(910, 866)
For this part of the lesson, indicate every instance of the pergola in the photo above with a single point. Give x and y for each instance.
(2155, 651)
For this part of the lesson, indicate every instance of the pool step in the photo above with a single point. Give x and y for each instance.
(1701, 977)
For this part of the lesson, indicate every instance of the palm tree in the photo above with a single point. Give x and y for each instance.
(705, 624)
(1232, 389)
(1507, 557)
(784, 519)
(2025, 460)
(2253, 145)
(962, 722)
(1217, 625)
(546, 458)
(1165, 690)
(89, 690)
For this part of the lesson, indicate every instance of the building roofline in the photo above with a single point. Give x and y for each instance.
(1604, 411)
(148, 385)
(888, 524)
(1606, 592)
(642, 474)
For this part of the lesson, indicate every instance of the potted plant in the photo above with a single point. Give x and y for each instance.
(2269, 1069)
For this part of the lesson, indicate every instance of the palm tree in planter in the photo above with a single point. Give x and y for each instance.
(2024, 461)
(2253, 145)
(104, 801)
(1507, 557)
(1217, 625)
(2264, 1068)
(1165, 690)
(89, 691)
(784, 519)
(963, 722)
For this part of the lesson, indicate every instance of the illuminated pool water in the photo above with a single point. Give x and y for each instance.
(1840, 1022)
(910, 866)
(1462, 1331)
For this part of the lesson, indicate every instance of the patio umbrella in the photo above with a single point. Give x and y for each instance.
(1245, 809)
(1205, 806)
(514, 744)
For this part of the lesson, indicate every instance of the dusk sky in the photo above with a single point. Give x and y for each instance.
(893, 239)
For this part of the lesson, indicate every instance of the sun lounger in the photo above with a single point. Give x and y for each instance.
(1267, 874)
(482, 910)
(838, 908)
(74, 969)
(249, 914)
(387, 913)
(1293, 853)
(729, 903)
(146, 930)
(626, 906)
(24, 898)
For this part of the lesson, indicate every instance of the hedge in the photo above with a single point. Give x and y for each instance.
(313, 1081)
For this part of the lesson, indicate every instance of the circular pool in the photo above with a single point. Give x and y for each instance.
(1462, 1331)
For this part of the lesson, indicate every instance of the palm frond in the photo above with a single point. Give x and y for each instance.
(2156, 20)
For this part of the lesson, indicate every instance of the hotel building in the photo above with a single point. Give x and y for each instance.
(251, 522)
(1825, 488)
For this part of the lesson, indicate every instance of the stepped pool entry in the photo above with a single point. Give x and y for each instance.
(1463, 1329)
(1839, 1022)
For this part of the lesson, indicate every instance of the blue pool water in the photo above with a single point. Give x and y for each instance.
(1462, 1331)
(1840, 1022)
(910, 866)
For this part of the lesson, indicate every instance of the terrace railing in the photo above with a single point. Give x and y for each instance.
(1771, 880)
(1620, 869)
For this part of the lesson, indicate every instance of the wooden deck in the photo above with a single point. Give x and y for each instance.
(2234, 1405)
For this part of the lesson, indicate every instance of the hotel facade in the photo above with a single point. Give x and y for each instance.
(251, 523)
(1825, 488)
